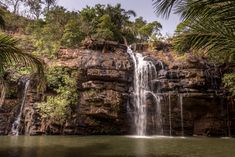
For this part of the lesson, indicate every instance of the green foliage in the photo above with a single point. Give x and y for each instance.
(49, 4)
(55, 108)
(14, 23)
(88, 21)
(11, 55)
(18, 71)
(72, 36)
(60, 77)
(2, 21)
(35, 7)
(139, 22)
(62, 81)
(69, 29)
(105, 27)
(60, 28)
(149, 30)
(113, 23)
(46, 48)
(63, 28)
(229, 82)
(208, 25)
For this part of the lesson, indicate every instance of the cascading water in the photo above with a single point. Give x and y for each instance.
(2, 97)
(158, 113)
(170, 123)
(144, 73)
(181, 113)
(16, 125)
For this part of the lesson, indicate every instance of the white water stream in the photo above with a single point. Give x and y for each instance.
(16, 125)
(144, 73)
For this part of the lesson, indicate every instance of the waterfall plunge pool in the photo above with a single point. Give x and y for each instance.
(115, 146)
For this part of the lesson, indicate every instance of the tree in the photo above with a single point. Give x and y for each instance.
(59, 28)
(139, 22)
(11, 55)
(120, 18)
(105, 22)
(49, 4)
(72, 36)
(149, 29)
(35, 7)
(2, 22)
(89, 21)
(14, 3)
(208, 25)
(104, 28)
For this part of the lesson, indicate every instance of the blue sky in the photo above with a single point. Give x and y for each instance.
(141, 7)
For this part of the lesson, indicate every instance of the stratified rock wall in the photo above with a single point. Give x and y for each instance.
(105, 93)
(105, 80)
(192, 97)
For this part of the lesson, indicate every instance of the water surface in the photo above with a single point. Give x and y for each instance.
(114, 146)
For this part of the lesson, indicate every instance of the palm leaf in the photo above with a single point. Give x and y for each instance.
(164, 7)
(211, 36)
(2, 22)
(190, 9)
(11, 55)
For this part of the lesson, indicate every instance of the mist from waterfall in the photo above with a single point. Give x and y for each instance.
(144, 72)
(16, 125)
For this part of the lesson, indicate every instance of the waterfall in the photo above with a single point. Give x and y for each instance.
(16, 125)
(3, 94)
(181, 114)
(170, 123)
(158, 119)
(144, 73)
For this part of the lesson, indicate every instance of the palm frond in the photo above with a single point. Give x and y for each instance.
(131, 12)
(11, 55)
(191, 9)
(209, 35)
(164, 7)
(2, 21)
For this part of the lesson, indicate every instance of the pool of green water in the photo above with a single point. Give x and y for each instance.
(115, 146)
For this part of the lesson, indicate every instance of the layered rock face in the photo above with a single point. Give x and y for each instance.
(104, 84)
(192, 101)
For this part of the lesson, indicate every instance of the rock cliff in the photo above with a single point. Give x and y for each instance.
(192, 99)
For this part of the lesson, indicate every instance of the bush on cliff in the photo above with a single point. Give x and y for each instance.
(62, 81)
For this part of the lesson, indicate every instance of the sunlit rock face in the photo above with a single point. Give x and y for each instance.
(104, 85)
(189, 95)
(193, 102)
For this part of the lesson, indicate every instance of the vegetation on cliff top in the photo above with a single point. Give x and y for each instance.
(45, 30)
(11, 55)
(208, 27)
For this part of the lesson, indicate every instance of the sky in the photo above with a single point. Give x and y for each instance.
(143, 8)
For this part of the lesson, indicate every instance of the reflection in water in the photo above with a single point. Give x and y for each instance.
(114, 146)
(140, 148)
